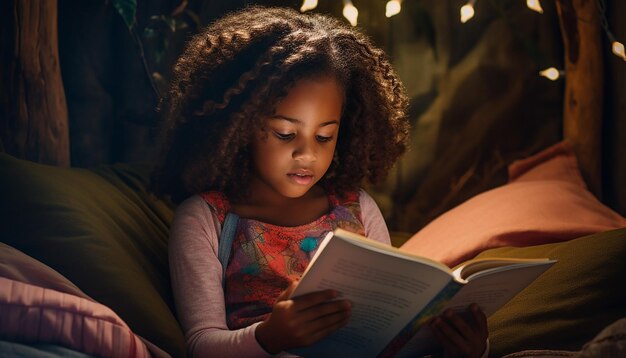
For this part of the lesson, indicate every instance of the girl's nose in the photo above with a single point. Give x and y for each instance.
(305, 151)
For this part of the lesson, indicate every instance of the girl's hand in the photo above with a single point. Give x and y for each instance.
(461, 337)
(302, 320)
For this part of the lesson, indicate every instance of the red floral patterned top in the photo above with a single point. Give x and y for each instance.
(266, 258)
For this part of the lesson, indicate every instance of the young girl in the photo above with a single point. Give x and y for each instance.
(278, 117)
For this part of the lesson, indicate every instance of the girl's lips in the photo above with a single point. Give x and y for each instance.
(302, 179)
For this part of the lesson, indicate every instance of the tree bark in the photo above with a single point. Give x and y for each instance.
(615, 129)
(582, 112)
(33, 110)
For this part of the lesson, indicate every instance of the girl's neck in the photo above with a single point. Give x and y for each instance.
(283, 211)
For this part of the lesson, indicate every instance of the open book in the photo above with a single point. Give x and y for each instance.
(394, 292)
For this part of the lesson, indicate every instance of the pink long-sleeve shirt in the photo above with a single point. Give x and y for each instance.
(196, 275)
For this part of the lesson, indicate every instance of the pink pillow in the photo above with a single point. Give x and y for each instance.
(39, 305)
(18, 266)
(545, 201)
(36, 314)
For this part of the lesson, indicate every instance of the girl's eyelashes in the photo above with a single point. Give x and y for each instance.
(289, 136)
(284, 136)
(321, 138)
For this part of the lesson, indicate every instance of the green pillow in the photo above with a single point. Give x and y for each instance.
(571, 302)
(103, 231)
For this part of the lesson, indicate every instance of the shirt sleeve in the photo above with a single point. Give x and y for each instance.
(196, 276)
(373, 220)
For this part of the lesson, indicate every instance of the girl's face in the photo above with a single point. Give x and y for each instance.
(297, 146)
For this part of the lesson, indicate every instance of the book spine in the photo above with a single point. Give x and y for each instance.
(432, 309)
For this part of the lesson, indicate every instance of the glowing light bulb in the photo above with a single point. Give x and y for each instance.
(308, 5)
(393, 8)
(618, 49)
(534, 5)
(551, 73)
(467, 12)
(350, 12)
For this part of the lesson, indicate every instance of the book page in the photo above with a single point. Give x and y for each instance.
(493, 288)
(475, 266)
(490, 288)
(386, 292)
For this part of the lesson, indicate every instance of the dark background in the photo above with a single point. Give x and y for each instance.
(477, 101)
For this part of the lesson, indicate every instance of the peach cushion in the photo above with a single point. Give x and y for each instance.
(545, 201)
(39, 305)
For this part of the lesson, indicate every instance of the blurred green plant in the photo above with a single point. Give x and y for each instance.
(128, 10)
(154, 41)
(160, 30)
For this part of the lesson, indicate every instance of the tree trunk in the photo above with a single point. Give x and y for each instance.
(33, 111)
(582, 112)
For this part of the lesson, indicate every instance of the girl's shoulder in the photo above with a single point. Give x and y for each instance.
(346, 198)
(358, 201)
(218, 202)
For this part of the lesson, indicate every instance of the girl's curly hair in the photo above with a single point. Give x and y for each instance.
(232, 75)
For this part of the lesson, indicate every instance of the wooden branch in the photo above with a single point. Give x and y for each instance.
(33, 110)
(582, 112)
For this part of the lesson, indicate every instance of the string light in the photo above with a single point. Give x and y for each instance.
(350, 12)
(393, 8)
(467, 11)
(534, 5)
(308, 5)
(552, 73)
(616, 47)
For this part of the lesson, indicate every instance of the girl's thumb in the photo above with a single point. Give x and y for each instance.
(287, 292)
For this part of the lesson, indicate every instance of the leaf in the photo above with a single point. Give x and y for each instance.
(161, 48)
(181, 25)
(149, 33)
(170, 22)
(127, 9)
